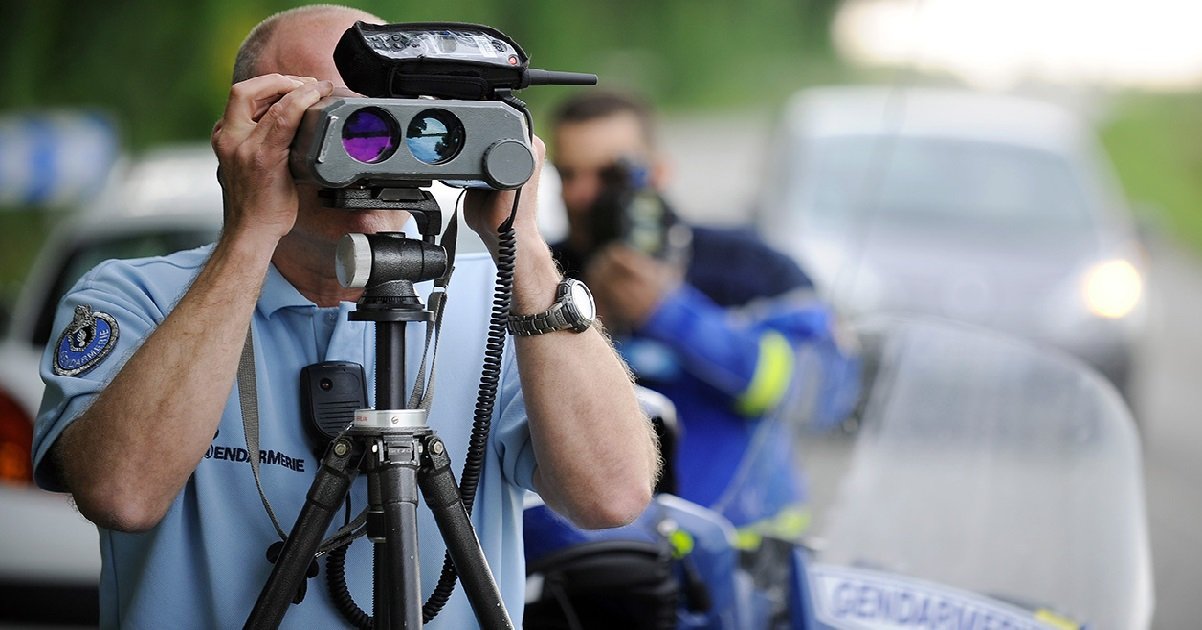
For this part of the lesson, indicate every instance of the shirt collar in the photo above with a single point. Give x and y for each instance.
(278, 293)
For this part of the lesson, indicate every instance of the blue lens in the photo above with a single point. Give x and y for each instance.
(435, 136)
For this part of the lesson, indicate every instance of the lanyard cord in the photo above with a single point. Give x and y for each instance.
(249, 401)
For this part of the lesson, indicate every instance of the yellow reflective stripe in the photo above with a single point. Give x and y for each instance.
(770, 382)
(747, 540)
(1056, 621)
(682, 543)
(788, 524)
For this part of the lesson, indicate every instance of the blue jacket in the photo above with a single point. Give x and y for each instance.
(726, 348)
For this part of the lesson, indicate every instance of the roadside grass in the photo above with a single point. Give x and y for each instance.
(1155, 142)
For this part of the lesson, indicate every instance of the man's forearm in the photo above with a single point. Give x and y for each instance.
(597, 459)
(127, 456)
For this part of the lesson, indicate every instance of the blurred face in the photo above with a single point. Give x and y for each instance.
(582, 151)
(304, 46)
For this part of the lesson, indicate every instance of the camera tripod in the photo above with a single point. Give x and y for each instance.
(392, 443)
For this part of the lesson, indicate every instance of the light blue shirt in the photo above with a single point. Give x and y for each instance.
(204, 564)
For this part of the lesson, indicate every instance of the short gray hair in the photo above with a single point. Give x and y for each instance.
(247, 60)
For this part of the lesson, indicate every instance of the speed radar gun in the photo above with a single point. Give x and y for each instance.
(438, 105)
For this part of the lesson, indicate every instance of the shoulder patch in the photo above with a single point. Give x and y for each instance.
(88, 339)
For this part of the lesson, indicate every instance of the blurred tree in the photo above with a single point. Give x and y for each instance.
(817, 17)
(163, 68)
(1152, 141)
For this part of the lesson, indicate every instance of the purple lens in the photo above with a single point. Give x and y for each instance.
(370, 135)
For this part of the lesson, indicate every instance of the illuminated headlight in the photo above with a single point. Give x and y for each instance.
(1112, 289)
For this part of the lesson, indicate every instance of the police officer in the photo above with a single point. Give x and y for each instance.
(141, 419)
(712, 318)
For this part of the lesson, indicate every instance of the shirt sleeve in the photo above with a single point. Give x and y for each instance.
(747, 353)
(110, 294)
(511, 429)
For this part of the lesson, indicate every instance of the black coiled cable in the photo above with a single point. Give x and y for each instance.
(336, 581)
(486, 399)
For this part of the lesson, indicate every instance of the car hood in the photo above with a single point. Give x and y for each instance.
(991, 278)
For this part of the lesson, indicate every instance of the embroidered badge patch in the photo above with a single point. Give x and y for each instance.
(88, 339)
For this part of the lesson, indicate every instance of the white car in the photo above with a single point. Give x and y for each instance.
(49, 554)
(995, 210)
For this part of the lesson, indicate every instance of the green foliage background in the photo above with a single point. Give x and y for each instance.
(162, 69)
(1155, 141)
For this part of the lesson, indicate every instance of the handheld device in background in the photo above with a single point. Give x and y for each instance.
(631, 211)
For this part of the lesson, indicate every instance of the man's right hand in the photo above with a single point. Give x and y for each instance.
(252, 142)
(629, 285)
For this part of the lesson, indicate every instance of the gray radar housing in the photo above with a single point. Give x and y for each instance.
(412, 142)
(437, 105)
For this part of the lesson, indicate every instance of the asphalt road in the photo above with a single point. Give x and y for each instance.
(1168, 405)
(717, 161)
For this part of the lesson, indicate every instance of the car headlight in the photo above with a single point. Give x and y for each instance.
(1112, 289)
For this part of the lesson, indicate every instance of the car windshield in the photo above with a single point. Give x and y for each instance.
(997, 467)
(90, 252)
(929, 182)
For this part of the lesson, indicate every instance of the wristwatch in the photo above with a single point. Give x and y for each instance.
(573, 310)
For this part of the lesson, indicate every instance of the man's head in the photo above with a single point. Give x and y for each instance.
(300, 42)
(590, 132)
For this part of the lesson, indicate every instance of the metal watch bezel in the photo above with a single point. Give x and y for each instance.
(573, 316)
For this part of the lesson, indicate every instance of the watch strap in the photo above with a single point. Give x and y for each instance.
(550, 320)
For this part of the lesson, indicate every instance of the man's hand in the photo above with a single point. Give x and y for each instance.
(485, 210)
(251, 141)
(628, 285)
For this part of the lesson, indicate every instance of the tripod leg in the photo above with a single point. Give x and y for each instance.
(438, 486)
(338, 470)
(392, 525)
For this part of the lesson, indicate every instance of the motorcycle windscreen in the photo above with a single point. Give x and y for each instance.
(996, 467)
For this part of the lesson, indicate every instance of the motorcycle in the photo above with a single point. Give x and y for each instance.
(990, 483)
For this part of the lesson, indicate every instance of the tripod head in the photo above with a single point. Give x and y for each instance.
(387, 264)
(417, 202)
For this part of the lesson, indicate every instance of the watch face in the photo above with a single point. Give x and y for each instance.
(582, 299)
